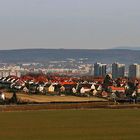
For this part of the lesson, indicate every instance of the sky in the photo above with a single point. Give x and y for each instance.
(69, 24)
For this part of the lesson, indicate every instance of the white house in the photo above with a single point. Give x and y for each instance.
(51, 88)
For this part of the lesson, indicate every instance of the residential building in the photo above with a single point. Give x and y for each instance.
(4, 72)
(99, 69)
(134, 71)
(118, 70)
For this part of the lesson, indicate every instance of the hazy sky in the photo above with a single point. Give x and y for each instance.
(69, 23)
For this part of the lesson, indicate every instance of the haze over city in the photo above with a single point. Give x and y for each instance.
(90, 24)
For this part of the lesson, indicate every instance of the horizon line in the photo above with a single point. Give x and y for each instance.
(115, 48)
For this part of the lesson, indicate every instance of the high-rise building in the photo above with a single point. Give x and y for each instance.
(99, 69)
(118, 70)
(103, 70)
(134, 71)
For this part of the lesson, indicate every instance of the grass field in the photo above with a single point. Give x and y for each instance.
(99, 124)
(44, 98)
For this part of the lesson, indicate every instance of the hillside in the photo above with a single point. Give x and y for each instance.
(44, 55)
(127, 48)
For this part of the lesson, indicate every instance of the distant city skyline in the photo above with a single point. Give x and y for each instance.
(69, 24)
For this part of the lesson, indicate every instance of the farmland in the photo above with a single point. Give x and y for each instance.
(97, 124)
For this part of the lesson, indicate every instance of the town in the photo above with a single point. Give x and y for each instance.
(112, 82)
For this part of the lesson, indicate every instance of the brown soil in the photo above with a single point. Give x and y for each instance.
(48, 99)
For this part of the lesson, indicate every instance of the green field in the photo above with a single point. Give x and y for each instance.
(99, 124)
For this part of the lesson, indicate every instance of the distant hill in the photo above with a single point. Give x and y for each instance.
(44, 55)
(127, 48)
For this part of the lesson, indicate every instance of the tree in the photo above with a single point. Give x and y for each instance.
(107, 82)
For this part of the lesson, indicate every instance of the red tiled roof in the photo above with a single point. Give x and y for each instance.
(117, 88)
(67, 83)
